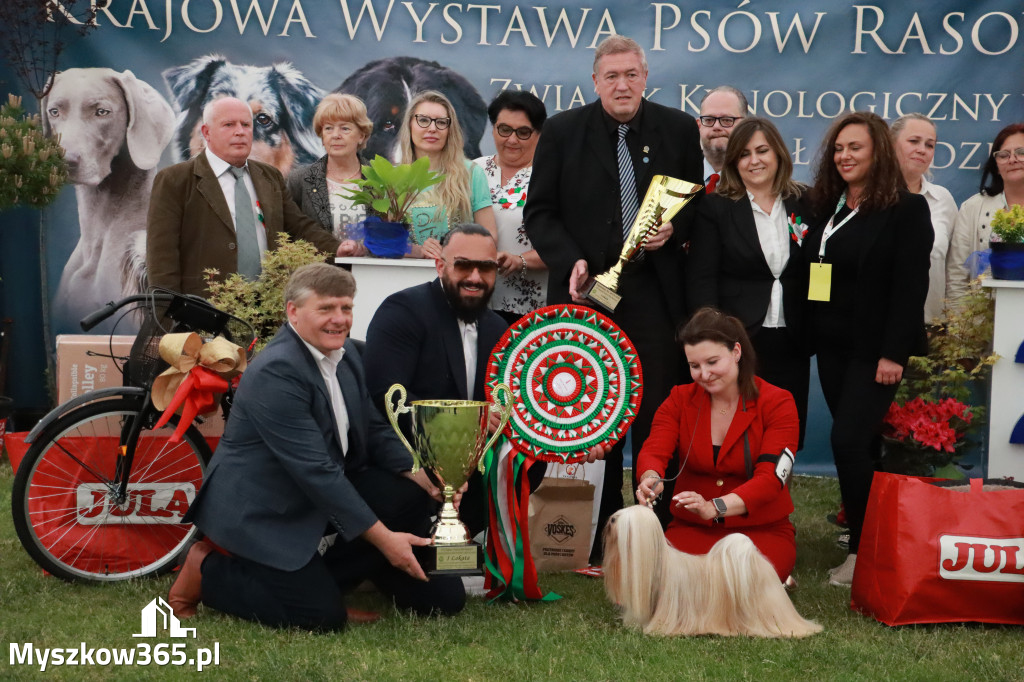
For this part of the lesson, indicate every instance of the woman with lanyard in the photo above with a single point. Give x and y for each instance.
(745, 257)
(868, 266)
(733, 434)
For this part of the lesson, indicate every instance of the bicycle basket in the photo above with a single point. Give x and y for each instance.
(169, 312)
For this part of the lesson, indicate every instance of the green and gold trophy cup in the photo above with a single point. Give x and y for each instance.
(449, 438)
(664, 198)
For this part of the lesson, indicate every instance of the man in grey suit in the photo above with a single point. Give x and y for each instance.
(310, 490)
(220, 209)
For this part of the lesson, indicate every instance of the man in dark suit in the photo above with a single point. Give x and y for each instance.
(574, 218)
(219, 209)
(310, 489)
(422, 337)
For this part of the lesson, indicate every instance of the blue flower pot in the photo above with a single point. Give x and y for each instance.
(1007, 260)
(385, 240)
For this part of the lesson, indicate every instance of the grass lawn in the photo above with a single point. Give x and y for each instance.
(576, 638)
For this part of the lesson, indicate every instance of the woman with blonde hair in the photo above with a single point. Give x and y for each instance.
(321, 188)
(431, 128)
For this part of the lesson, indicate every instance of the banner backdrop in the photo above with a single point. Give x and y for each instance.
(800, 64)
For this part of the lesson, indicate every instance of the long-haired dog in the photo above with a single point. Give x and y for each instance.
(282, 100)
(388, 85)
(732, 590)
(113, 128)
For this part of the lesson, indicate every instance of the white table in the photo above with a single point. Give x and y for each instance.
(1005, 458)
(378, 278)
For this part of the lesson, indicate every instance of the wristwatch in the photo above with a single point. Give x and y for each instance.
(720, 507)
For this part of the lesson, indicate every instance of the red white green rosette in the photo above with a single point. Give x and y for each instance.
(575, 378)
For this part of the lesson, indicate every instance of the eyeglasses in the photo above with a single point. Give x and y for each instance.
(1004, 155)
(424, 121)
(466, 267)
(725, 121)
(522, 133)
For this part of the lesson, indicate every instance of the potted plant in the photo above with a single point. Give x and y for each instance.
(260, 302)
(1007, 243)
(32, 167)
(388, 191)
(940, 403)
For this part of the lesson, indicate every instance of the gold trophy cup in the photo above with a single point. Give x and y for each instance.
(449, 438)
(664, 198)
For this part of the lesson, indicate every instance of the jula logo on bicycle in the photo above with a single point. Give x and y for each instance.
(145, 503)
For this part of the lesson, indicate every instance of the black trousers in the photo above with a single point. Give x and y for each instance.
(858, 405)
(785, 364)
(312, 597)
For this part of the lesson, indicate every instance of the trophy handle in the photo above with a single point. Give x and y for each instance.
(393, 413)
(499, 391)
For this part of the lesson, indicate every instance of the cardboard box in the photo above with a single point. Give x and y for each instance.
(84, 364)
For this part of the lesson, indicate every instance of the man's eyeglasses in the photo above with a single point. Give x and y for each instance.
(424, 121)
(725, 121)
(522, 133)
(1004, 155)
(466, 267)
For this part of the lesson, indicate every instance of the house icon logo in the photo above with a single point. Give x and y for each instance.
(158, 614)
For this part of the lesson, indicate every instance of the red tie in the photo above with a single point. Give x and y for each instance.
(712, 183)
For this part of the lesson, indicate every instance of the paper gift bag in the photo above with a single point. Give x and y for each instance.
(560, 524)
(934, 554)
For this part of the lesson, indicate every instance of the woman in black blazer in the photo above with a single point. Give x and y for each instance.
(868, 261)
(745, 254)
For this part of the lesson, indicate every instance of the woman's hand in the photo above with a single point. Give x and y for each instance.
(351, 247)
(650, 487)
(597, 452)
(431, 249)
(888, 372)
(696, 504)
(508, 264)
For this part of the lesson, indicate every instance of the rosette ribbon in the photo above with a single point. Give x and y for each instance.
(198, 373)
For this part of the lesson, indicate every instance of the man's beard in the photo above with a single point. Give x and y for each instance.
(466, 309)
(714, 155)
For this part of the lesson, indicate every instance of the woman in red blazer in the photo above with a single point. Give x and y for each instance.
(730, 430)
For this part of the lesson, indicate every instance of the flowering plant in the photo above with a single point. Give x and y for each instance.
(919, 423)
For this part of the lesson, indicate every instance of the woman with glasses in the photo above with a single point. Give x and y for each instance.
(1002, 186)
(915, 137)
(516, 121)
(432, 129)
(867, 258)
(320, 189)
(745, 254)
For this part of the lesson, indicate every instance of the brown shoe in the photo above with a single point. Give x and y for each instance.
(187, 589)
(355, 616)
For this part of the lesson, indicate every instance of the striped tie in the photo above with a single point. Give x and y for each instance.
(627, 183)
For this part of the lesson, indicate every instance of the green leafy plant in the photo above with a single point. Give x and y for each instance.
(260, 302)
(959, 361)
(390, 190)
(1008, 225)
(32, 166)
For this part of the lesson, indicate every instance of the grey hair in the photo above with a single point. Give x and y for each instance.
(618, 44)
(208, 109)
(901, 123)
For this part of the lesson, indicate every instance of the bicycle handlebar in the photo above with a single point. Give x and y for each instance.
(97, 316)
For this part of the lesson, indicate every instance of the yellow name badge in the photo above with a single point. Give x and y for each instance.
(821, 282)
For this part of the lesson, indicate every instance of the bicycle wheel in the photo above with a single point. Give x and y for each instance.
(64, 503)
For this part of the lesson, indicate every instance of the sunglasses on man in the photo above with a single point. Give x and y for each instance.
(465, 267)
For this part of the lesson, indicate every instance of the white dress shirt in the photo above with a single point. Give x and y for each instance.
(328, 366)
(943, 209)
(773, 234)
(227, 185)
(468, 332)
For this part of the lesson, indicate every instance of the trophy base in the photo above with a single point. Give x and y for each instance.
(451, 560)
(602, 295)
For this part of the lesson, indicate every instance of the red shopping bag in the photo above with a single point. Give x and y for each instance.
(930, 553)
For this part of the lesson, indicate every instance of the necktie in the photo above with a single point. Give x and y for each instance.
(627, 183)
(712, 183)
(469, 338)
(245, 229)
